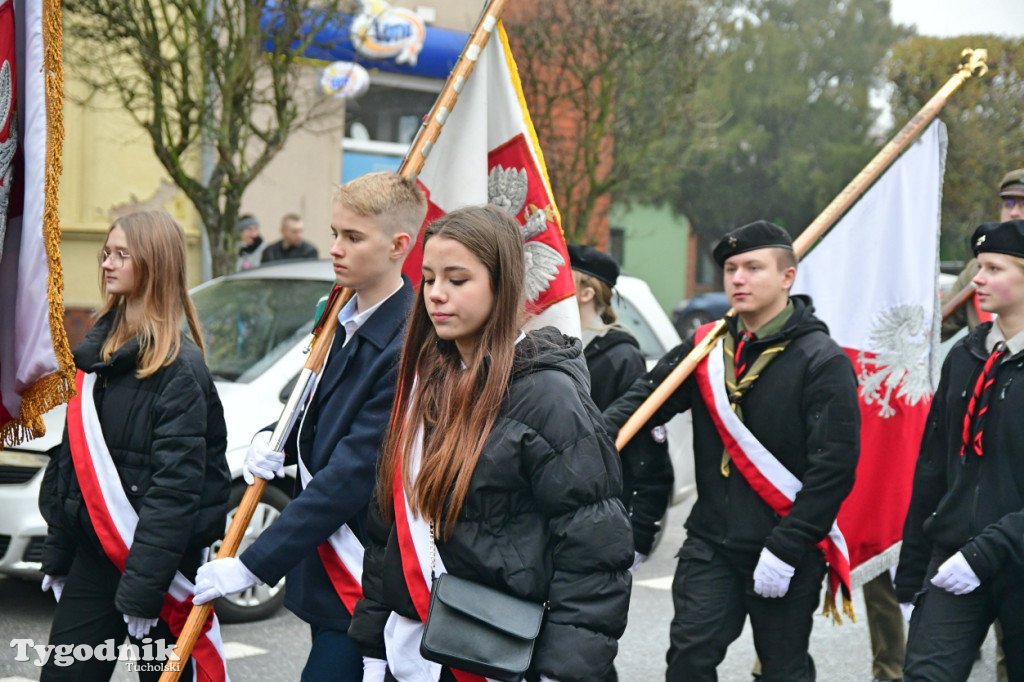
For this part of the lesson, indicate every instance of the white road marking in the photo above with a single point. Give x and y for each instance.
(233, 650)
(662, 583)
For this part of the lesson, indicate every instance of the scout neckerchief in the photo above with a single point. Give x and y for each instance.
(114, 520)
(765, 474)
(736, 364)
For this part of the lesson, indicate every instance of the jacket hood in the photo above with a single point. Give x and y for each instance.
(802, 321)
(612, 337)
(548, 348)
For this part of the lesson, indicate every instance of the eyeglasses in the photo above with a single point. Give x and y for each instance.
(1010, 202)
(116, 257)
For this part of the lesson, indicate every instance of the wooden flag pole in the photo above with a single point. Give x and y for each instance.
(321, 341)
(972, 64)
(413, 162)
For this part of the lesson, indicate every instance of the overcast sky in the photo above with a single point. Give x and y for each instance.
(954, 18)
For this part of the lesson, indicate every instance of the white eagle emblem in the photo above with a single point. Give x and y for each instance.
(901, 338)
(507, 188)
(8, 147)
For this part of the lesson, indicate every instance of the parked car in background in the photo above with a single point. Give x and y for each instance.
(255, 325)
(691, 313)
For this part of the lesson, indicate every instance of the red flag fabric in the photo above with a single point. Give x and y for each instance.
(873, 279)
(36, 368)
(488, 153)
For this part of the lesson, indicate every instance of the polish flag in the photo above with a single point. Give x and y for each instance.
(488, 153)
(36, 368)
(873, 279)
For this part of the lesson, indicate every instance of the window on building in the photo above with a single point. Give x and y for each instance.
(387, 114)
(617, 244)
(707, 270)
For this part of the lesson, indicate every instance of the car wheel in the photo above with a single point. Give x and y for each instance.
(689, 322)
(261, 601)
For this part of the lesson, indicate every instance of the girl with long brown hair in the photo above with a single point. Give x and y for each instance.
(138, 489)
(496, 468)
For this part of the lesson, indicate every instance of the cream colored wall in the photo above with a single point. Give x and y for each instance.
(108, 165)
(303, 176)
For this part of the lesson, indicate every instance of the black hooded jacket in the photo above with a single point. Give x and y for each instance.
(167, 438)
(803, 409)
(614, 361)
(969, 504)
(541, 521)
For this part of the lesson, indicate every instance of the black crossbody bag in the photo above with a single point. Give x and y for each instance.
(477, 629)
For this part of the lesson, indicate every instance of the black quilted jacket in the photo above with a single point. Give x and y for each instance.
(542, 520)
(167, 438)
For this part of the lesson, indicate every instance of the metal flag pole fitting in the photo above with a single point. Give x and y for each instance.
(325, 328)
(972, 64)
(429, 131)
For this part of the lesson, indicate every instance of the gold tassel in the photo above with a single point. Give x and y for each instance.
(59, 387)
(831, 609)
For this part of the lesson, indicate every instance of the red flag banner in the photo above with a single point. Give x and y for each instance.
(873, 279)
(36, 368)
(488, 153)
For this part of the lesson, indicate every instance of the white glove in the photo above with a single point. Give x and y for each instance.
(220, 577)
(56, 583)
(638, 559)
(545, 678)
(373, 669)
(139, 627)
(907, 608)
(956, 575)
(261, 461)
(772, 575)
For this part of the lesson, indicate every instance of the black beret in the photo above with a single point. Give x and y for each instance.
(759, 235)
(590, 261)
(1005, 238)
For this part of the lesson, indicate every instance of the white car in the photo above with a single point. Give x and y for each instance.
(255, 324)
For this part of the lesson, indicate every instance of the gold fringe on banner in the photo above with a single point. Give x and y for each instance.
(56, 388)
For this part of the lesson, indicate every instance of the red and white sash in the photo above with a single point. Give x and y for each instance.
(115, 520)
(341, 555)
(775, 484)
(402, 636)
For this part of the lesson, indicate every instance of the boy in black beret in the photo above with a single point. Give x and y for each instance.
(783, 395)
(962, 561)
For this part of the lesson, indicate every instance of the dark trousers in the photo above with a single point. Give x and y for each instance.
(714, 593)
(946, 630)
(86, 615)
(332, 658)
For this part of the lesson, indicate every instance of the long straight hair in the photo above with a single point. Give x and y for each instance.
(156, 246)
(457, 407)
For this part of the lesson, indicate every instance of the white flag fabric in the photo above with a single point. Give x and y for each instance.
(873, 279)
(36, 369)
(488, 153)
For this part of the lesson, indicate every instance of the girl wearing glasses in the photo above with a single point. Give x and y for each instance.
(139, 486)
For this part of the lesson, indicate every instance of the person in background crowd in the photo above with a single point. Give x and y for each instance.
(250, 251)
(291, 245)
(501, 457)
(962, 561)
(374, 222)
(784, 396)
(156, 423)
(1011, 207)
(614, 362)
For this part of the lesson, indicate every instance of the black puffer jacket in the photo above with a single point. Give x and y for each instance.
(803, 409)
(167, 438)
(615, 362)
(542, 521)
(970, 504)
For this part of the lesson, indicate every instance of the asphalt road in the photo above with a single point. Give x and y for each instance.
(274, 650)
